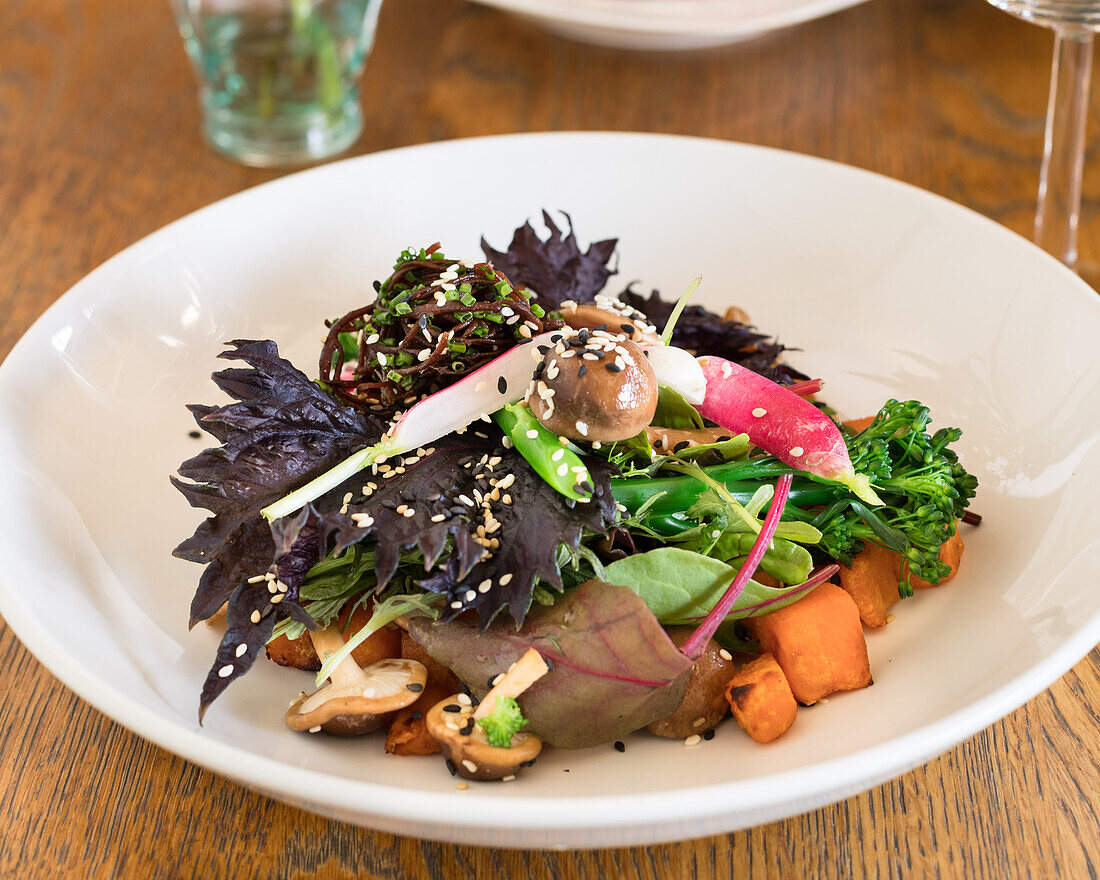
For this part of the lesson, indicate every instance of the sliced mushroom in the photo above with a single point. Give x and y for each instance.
(453, 722)
(673, 439)
(354, 700)
(611, 314)
(594, 386)
(704, 703)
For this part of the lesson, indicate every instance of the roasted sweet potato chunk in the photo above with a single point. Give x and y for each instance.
(408, 733)
(818, 643)
(761, 699)
(872, 582)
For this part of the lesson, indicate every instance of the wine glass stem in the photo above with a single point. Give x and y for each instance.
(1064, 146)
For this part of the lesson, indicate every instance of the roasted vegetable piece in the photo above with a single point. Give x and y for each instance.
(872, 582)
(761, 699)
(704, 702)
(299, 653)
(408, 733)
(818, 642)
(951, 553)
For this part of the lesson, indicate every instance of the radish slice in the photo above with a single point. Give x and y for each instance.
(781, 423)
(501, 381)
(678, 370)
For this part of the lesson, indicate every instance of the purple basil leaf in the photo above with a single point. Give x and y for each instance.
(449, 485)
(555, 268)
(281, 432)
(705, 333)
(613, 668)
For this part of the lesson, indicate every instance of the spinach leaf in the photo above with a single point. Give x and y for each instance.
(682, 586)
(675, 412)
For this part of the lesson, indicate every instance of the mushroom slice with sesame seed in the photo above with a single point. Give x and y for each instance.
(354, 700)
(454, 723)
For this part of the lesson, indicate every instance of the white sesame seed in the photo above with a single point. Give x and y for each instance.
(270, 576)
(463, 785)
(582, 426)
(509, 778)
(315, 729)
(724, 654)
(693, 740)
(469, 765)
(464, 700)
(439, 517)
(563, 469)
(409, 513)
(507, 311)
(558, 455)
(532, 434)
(254, 617)
(277, 598)
(796, 451)
(524, 331)
(470, 595)
(699, 722)
(467, 500)
(225, 671)
(759, 411)
(456, 604)
(373, 338)
(242, 649)
(381, 359)
(480, 386)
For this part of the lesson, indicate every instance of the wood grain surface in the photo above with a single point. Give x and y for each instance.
(99, 145)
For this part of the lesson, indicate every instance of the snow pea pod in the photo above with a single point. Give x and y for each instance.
(558, 465)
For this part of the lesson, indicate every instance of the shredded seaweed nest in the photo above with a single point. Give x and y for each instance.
(433, 320)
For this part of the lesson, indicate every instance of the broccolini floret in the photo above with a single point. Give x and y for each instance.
(503, 722)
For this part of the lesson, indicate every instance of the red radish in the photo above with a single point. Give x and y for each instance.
(779, 422)
(503, 380)
(805, 389)
(696, 644)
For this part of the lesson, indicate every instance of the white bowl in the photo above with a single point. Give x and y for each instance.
(667, 24)
(890, 291)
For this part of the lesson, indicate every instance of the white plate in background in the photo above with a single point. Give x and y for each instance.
(667, 24)
(889, 291)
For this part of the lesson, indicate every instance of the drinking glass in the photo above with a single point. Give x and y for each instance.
(1073, 22)
(278, 79)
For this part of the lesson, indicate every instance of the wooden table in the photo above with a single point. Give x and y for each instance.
(99, 145)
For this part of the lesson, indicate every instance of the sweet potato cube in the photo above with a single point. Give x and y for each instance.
(858, 425)
(951, 553)
(761, 699)
(818, 643)
(872, 582)
(408, 731)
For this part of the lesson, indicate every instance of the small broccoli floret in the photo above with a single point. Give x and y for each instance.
(503, 722)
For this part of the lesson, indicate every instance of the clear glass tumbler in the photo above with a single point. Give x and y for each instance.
(278, 79)
(1073, 22)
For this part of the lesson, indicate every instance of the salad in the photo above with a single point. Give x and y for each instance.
(514, 510)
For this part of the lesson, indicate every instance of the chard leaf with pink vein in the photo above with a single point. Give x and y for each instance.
(614, 669)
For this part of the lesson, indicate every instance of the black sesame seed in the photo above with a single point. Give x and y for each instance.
(586, 486)
(556, 338)
(451, 767)
(645, 351)
(416, 715)
(628, 329)
(539, 369)
(709, 735)
(599, 354)
(415, 687)
(613, 368)
(723, 439)
(620, 746)
(489, 683)
(549, 663)
(464, 688)
(194, 435)
(543, 349)
(422, 322)
(377, 286)
(683, 444)
(530, 763)
(452, 707)
(468, 729)
(502, 384)
(583, 334)
(601, 327)
(582, 370)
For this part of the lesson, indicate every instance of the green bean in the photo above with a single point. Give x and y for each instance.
(559, 465)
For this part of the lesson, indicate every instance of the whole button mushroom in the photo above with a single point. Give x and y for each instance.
(704, 703)
(594, 386)
(355, 701)
(454, 724)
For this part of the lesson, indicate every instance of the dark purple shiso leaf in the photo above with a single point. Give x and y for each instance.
(282, 431)
(555, 268)
(613, 668)
(706, 333)
(532, 528)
